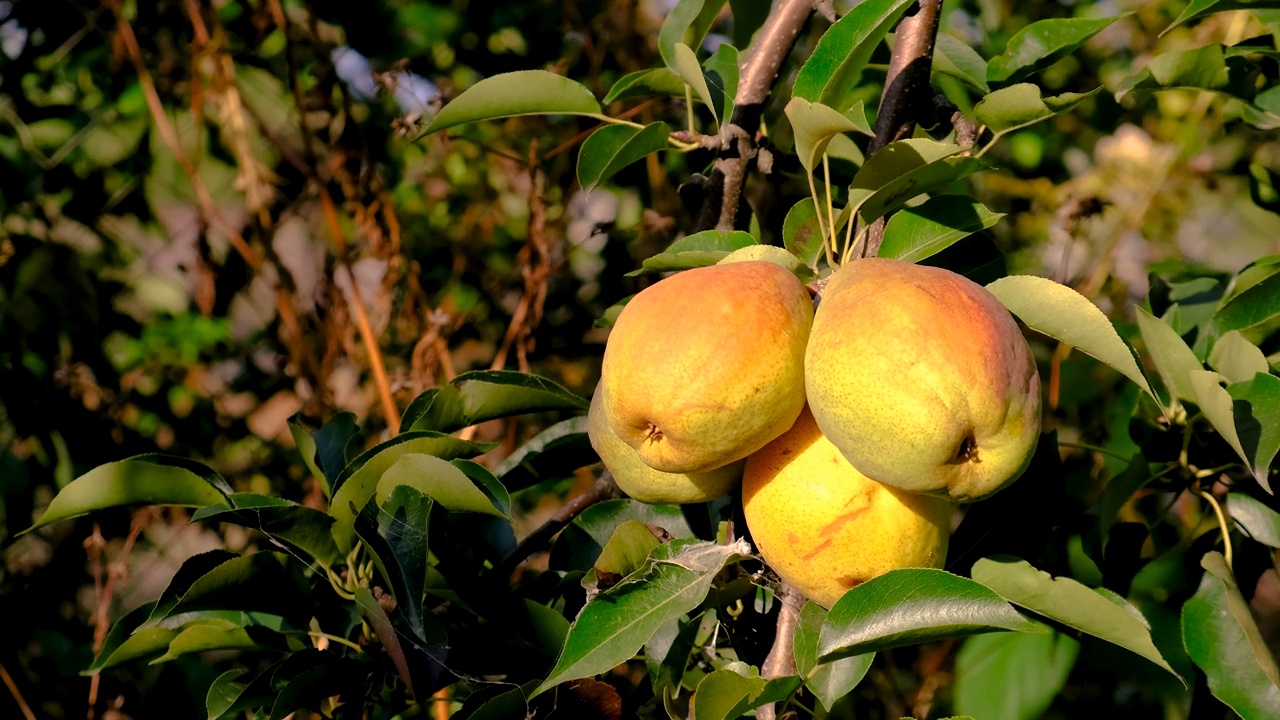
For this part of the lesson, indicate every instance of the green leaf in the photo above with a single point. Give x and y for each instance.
(1255, 406)
(771, 254)
(365, 472)
(1070, 603)
(205, 635)
(524, 92)
(690, 70)
(395, 533)
(666, 654)
(1012, 675)
(688, 23)
(953, 57)
(1217, 406)
(1252, 303)
(283, 521)
(580, 544)
(307, 689)
(1196, 9)
(442, 481)
(1237, 359)
(815, 124)
(435, 408)
(645, 83)
(224, 692)
(1018, 106)
(903, 170)
(141, 480)
(552, 454)
(1064, 314)
(830, 74)
(1118, 491)
(801, 233)
(386, 633)
(615, 624)
(1173, 359)
(827, 681)
(293, 680)
(721, 71)
(129, 640)
(325, 450)
(1259, 521)
(910, 606)
(217, 580)
(613, 147)
(725, 694)
(491, 394)
(697, 250)
(1206, 68)
(916, 233)
(1042, 44)
(1222, 639)
(627, 550)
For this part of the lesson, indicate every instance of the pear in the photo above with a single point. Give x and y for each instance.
(825, 527)
(922, 379)
(642, 482)
(706, 366)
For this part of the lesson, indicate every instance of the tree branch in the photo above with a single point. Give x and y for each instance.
(782, 657)
(604, 489)
(906, 89)
(724, 207)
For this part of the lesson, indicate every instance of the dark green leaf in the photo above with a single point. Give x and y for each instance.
(1255, 407)
(552, 454)
(1021, 105)
(1252, 304)
(613, 147)
(951, 56)
(340, 677)
(802, 233)
(128, 640)
(1259, 521)
(444, 482)
(1264, 187)
(666, 654)
(697, 250)
(904, 170)
(331, 445)
(1218, 407)
(283, 521)
(1070, 603)
(1041, 44)
(524, 92)
(141, 480)
(644, 83)
(615, 624)
(261, 582)
(913, 605)
(395, 531)
(1118, 491)
(1223, 640)
(492, 394)
(830, 74)
(827, 681)
(434, 409)
(687, 23)
(224, 692)
(229, 697)
(916, 233)
(580, 544)
(1064, 314)
(725, 694)
(1207, 68)
(1012, 675)
(721, 71)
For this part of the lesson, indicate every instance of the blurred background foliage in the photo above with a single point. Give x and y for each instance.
(203, 201)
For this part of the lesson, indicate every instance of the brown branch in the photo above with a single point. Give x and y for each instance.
(724, 207)
(906, 89)
(781, 661)
(604, 489)
(96, 546)
(17, 694)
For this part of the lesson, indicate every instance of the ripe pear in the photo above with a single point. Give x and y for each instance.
(642, 482)
(706, 366)
(825, 527)
(923, 379)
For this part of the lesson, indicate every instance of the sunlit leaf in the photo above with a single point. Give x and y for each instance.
(690, 70)
(904, 170)
(815, 124)
(697, 250)
(1041, 44)
(523, 92)
(1018, 106)
(1173, 359)
(831, 72)
(645, 83)
(1237, 359)
(916, 233)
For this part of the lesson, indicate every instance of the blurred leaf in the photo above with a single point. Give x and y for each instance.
(1014, 676)
(1206, 68)
(1043, 43)
(443, 481)
(1200, 8)
(1018, 106)
(910, 606)
(953, 57)
(903, 170)
(644, 83)
(1216, 405)
(831, 73)
(1264, 187)
(687, 22)
(524, 92)
(228, 697)
(1118, 491)
(281, 520)
(724, 694)
(614, 147)
(552, 454)
(687, 67)
(1173, 359)
(141, 480)
(721, 71)
(615, 624)
(1255, 407)
(815, 124)
(827, 681)
(1070, 603)
(802, 233)
(697, 250)
(1259, 521)
(916, 233)
(1223, 640)
(1064, 314)
(1237, 359)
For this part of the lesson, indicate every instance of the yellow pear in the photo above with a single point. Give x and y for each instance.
(825, 527)
(642, 482)
(706, 366)
(923, 379)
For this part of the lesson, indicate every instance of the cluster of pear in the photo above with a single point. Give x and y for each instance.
(853, 429)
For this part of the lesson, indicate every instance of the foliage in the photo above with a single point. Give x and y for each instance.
(226, 234)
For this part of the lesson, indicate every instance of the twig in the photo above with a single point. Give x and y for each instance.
(781, 661)
(906, 89)
(723, 205)
(17, 694)
(95, 544)
(603, 489)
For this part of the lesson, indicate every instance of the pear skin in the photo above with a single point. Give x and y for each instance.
(642, 482)
(825, 527)
(923, 379)
(706, 366)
